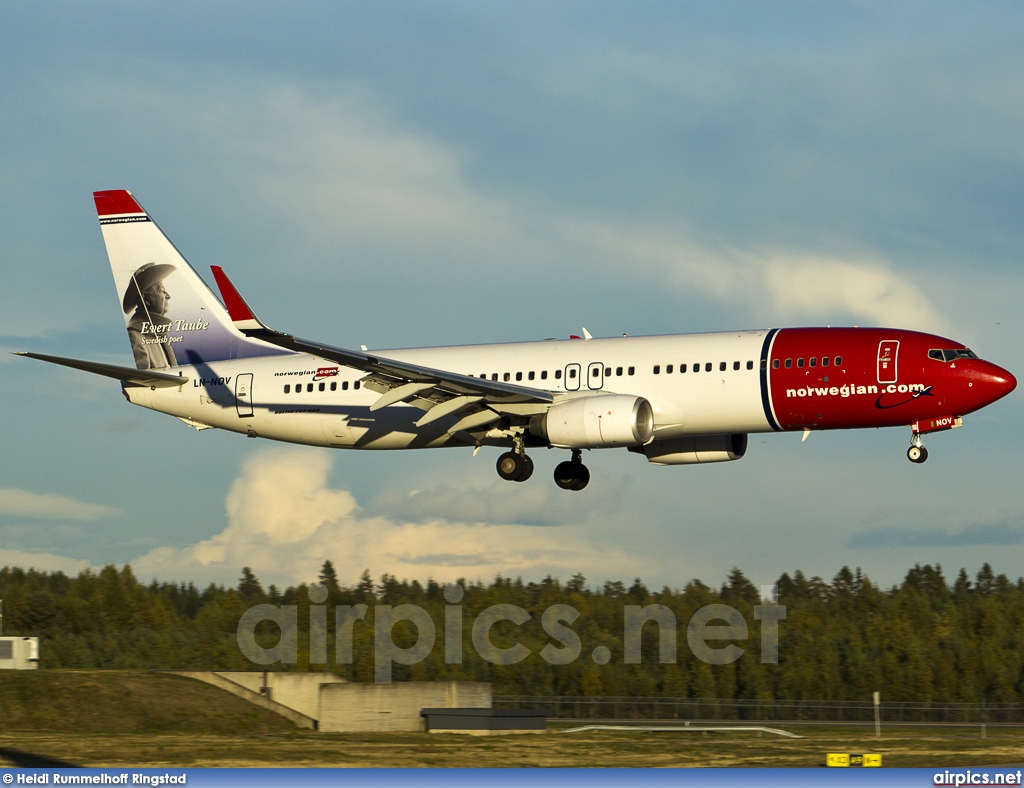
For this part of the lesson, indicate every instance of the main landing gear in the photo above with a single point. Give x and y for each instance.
(573, 474)
(917, 452)
(515, 466)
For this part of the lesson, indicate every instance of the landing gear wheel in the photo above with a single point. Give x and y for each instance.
(572, 474)
(510, 466)
(514, 467)
(565, 475)
(583, 477)
(917, 454)
(527, 471)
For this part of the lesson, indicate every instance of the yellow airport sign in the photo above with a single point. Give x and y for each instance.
(847, 759)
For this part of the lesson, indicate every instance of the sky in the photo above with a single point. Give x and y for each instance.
(430, 173)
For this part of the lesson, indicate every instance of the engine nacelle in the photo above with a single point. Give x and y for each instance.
(601, 421)
(696, 449)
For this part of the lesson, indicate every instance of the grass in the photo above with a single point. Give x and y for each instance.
(124, 702)
(899, 747)
(129, 718)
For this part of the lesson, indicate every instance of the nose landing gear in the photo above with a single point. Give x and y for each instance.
(917, 452)
(573, 474)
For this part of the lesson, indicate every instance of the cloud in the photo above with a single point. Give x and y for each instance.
(43, 562)
(807, 285)
(772, 284)
(284, 520)
(23, 503)
(515, 504)
(337, 171)
(978, 535)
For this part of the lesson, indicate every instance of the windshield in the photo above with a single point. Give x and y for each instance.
(951, 355)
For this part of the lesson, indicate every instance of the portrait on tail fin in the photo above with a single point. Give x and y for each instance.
(149, 326)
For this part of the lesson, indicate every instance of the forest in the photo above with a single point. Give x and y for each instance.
(928, 639)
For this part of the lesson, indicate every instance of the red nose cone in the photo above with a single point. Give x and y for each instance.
(999, 382)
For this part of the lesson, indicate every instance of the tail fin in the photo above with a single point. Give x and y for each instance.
(172, 317)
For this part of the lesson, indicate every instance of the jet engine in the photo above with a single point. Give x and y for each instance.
(601, 421)
(696, 449)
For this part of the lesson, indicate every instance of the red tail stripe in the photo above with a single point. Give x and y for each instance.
(117, 201)
(237, 309)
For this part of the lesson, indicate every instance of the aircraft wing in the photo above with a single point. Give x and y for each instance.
(141, 377)
(478, 401)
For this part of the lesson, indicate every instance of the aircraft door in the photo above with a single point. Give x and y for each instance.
(572, 377)
(243, 395)
(595, 376)
(888, 349)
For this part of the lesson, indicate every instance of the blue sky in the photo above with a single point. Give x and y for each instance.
(433, 173)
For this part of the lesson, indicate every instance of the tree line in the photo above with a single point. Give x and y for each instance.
(927, 639)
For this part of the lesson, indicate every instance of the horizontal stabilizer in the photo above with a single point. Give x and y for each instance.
(140, 377)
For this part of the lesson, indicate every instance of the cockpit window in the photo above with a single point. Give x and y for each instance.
(951, 355)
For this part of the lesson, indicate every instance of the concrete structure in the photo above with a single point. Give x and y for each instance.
(217, 680)
(357, 708)
(327, 702)
(19, 653)
(298, 691)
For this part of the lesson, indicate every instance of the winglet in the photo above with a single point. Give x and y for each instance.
(241, 315)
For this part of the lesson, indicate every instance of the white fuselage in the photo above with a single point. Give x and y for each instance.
(290, 397)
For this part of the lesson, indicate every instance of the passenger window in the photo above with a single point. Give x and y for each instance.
(750, 365)
(607, 372)
(682, 367)
(309, 387)
(519, 376)
(558, 374)
(657, 369)
(631, 370)
(322, 386)
(800, 363)
(572, 373)
(824, 361)
(707, 367)
(668, 370)
(344, 385)
(775, 363)
(813, 362)
(839, 361)
(494, 376)
(334, 385)
(789, 363)
(696, 367)
(287, 388)
(595, 372)
(506, 376)
(543, 374)
(532, 375)
(618, 372)
(735, 365)
(356, 385)
(722, 366)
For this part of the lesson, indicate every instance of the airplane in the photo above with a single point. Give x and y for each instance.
(677, 400)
